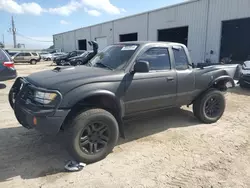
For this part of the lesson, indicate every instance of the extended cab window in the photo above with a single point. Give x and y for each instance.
(158, 58)
(181, 60)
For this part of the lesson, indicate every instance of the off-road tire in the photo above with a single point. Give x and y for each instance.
(79, 125)
(200, 103)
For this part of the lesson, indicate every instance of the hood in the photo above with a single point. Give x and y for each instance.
(67, 78)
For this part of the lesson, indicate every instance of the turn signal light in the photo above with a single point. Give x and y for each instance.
(34, 121)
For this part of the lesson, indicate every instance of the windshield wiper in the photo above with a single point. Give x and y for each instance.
(104, 65)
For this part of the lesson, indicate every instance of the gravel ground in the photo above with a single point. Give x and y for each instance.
(166, 149)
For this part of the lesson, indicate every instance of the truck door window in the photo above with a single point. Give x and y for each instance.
(181, 60)
(158, 58)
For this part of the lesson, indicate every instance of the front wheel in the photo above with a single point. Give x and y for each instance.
(209, 107)
(92, 135)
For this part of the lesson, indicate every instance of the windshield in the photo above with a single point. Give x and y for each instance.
(114, 56)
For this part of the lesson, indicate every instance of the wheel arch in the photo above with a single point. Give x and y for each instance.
(104, 99)
(220, 82)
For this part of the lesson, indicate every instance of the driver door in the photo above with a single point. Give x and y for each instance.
(155, 89)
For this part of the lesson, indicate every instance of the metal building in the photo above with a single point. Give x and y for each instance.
(212, 29)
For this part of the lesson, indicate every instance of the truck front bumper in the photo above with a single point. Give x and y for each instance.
(41, 121)
(47, 121)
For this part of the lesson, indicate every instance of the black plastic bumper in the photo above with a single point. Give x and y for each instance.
(44, 123)
(48, 121)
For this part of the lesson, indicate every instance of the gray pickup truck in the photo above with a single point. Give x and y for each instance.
(89, 103)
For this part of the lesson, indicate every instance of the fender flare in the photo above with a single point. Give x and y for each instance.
(119, 104)
(225, 78)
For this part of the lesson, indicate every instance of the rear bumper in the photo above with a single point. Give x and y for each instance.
(8, 74)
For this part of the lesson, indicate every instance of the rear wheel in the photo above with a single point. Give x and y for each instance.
(33, 62)
(209, 107)
(92, 135)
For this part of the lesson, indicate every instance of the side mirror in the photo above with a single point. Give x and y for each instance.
(141, 66)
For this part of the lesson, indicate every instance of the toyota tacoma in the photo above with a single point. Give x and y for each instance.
(89, 103)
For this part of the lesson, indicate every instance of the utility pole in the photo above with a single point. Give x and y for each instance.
(13, 31)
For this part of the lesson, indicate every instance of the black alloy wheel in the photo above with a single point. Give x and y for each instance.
(92, 135)
(94, 138)
(212, 107)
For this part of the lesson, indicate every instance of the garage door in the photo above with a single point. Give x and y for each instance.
(235, 40)
(102, 42)
(179, 35)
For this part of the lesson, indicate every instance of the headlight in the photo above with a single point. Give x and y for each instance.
(44, 98)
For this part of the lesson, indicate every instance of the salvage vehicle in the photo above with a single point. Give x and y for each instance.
(90, 103)
(78, 60)
(244, 80)
(7, 69)
(84, 58)
(63, 59)
(46, 56)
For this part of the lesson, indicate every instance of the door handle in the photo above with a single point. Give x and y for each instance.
(169, 79)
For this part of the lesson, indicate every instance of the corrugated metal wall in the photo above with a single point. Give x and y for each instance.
(192, 15)
(221, 10)
(103, 30)
(203, 17)
(135, 24)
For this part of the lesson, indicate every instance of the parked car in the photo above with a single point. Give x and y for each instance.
(57, 54)
(90, 103)
(78, 60)
(244, 80)
(46, 56)
(63, 59)
(27, 57)
(85, 57)
(7, 69)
